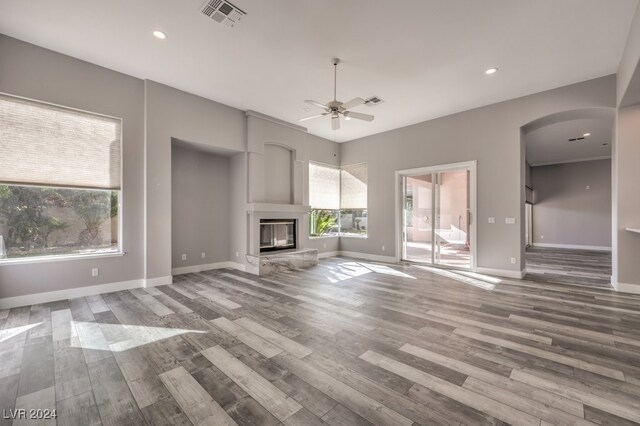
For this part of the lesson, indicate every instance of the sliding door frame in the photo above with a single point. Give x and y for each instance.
(473, 204)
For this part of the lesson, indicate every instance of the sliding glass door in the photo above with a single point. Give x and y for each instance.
(436, 215)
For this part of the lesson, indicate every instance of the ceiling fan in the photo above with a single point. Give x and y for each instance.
(336, 108)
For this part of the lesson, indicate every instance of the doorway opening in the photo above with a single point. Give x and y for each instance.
(437, 207)
(568, 192)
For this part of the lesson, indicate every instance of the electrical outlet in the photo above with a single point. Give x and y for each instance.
(492, 220)
(237, 254)
(513, 260)
(95, 272)
(203, 255)
(588, 187)
(325, 245)
(542, 237)
(383, 248)
(184, 256)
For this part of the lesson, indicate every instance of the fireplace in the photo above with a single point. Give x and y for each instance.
(277, 234)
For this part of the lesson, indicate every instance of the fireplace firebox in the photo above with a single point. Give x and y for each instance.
(277, 234)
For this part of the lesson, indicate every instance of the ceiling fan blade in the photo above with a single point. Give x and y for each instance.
(359, 116)
(313, 116)
(353, 103)
(335, 122)
(318, 104)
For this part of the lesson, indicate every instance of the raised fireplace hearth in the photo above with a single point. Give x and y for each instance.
(277, 234)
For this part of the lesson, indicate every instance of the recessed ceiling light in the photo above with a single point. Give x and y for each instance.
(159, 34)
(586, 135)
(491, 71)
(346, 117)
(307, 109)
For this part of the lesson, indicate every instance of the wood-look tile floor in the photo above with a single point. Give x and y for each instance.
(585, 267)
(344, 343)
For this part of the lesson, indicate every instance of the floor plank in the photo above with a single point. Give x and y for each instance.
(196, 403)
(248, 338)
(291, 346)
(472, 399)
(269, 396)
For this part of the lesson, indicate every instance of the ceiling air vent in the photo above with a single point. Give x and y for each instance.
(373, 100)
(576, 139)
(222, 12)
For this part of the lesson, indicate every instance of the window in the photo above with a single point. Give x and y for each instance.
(353, 200)
(338, 199)
(324, 198)
(59, 180)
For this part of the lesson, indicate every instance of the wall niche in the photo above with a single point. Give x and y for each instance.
(278, 174)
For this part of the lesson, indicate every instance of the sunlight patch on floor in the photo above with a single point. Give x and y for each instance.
(471, 278)
(91, 335)
(386, 270)
(347, 270)
(482, 277)
(13, 332)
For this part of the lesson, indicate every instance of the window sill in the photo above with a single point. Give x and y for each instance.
(362, 237)
(322, 237)
(61, 258)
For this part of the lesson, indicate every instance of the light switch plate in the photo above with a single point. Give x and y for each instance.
(510, 220)
(492, 220)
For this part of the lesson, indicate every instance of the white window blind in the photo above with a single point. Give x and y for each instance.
(43, 144)
(324, 187)
(353, 191)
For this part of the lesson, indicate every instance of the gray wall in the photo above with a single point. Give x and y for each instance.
(626, 171)
(171, 113)
(278, 174)
(567, 213)
(238, 203)
(626, 157)
(492, 136)
(33, 72)
(200, 213)
(627, 71)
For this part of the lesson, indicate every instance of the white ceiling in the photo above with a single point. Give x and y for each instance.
(550, 144)
(425, 58)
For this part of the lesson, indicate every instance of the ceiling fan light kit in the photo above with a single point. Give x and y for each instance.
(336, 108)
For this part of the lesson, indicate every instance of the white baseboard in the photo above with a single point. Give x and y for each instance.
(627, 288)
(572, 247)
(328, 254)
(506, 273)
(206, 267)
(69, 293)
(237, 266)
(153, 282)
(367, 256)
(72, 293)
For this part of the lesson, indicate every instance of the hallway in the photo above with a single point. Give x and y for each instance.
(583, 267)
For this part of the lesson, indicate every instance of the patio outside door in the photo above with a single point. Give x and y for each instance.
(436, 214)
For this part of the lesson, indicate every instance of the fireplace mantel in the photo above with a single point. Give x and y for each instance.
(277, 208)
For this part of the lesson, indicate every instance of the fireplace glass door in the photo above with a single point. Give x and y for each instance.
(277, 234)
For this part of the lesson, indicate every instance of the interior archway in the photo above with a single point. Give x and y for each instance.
(566, 212)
